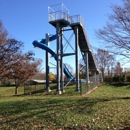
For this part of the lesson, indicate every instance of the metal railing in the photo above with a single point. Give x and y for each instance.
(76, 19)
(53, 16)
(58, 12)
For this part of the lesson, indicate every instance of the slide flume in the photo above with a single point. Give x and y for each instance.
(41, 44)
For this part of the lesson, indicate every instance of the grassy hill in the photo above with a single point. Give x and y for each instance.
(108, 107)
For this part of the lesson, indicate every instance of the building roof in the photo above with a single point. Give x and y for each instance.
(37, 81)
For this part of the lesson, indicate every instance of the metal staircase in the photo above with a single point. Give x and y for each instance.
(84, 44)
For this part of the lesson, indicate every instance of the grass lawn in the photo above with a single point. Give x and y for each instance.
(108, 107)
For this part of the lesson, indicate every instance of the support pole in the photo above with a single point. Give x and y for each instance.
(58, 58)
(87, 69)
(95, 77)
(76, 59)
(47, 65)
(62, 65)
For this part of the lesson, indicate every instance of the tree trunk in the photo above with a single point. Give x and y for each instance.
(16, 90)
(102, 74)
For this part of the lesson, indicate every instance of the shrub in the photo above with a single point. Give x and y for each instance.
(116, 78)
(119, 78)
(108, 79)
(128, 78)
(122, 78)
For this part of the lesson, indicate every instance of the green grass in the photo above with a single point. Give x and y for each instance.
(108, 107)
(9, 91)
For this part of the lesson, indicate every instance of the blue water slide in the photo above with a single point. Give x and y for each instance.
(39, 44)
(51, 38)
(67, 73)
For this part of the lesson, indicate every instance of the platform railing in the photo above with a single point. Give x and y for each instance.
(76, 19)
(59, 15)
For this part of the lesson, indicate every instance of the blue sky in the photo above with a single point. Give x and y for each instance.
(27, 20)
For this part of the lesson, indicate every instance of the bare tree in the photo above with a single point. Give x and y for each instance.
(105, 61)
(3, 34)
(82, 69)
(116, 34)
(118, 68)
(110, 65)
(70, 68)
(41, 76)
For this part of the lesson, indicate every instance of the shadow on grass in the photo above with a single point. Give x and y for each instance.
(121, 84)
(128, 87)
(69, 91)
(79, 105)
(48, 109)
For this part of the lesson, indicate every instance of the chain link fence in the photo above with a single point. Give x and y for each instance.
(33, 88)
(87, 86)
